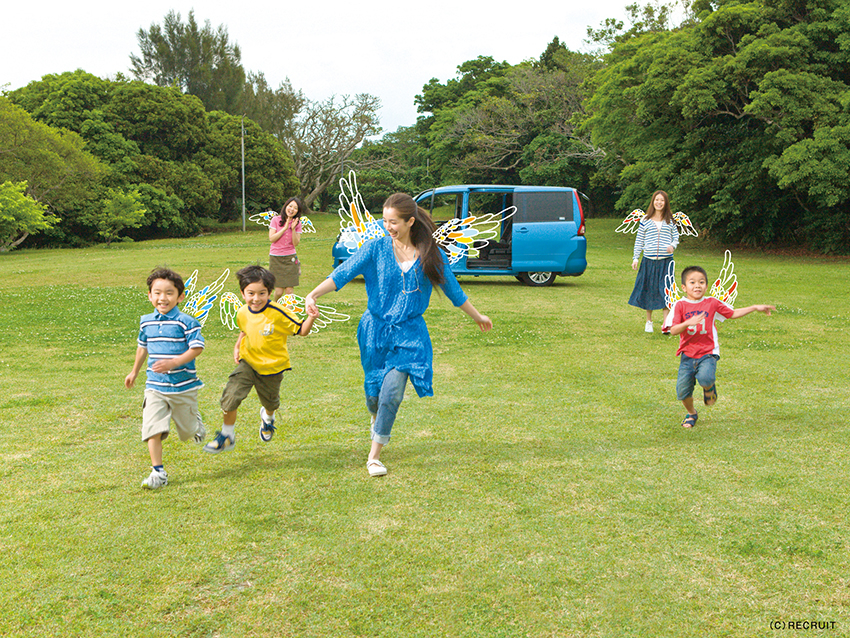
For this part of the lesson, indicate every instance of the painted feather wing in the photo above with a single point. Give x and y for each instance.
(672, 292)
(684, 224)
(327, 314)
(199, 303)
(307, 225)
(357, 223)
(725, 287)
(264, 218)
(228, 305)
(631, 222)
(459, 237)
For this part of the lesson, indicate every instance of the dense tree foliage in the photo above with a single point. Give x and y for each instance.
(154, 144)
(198, 60)
(742, 114)
(20, 215)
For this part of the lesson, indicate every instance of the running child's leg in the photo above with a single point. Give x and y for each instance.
(239, 384)
(155, 450)
(685, 389)
(706, 374)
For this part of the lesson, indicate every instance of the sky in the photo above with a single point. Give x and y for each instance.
(331, 47)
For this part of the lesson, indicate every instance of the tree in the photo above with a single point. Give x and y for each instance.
(120, 210)
(20, 215)
(199, 61)
(58, 171)
(269, 171)
(325, 135)
(274, 110)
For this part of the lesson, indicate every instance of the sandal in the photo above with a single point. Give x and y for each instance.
(710, 395)
(376, 468)
(690, 420)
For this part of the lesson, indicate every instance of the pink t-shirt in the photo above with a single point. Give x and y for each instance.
(701, 339)
(284, 245)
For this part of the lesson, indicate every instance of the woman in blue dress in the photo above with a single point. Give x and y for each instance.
(400, 271)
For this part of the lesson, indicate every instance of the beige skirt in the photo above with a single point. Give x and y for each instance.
(286, 270)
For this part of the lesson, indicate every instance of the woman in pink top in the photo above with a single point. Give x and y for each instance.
(285, 234)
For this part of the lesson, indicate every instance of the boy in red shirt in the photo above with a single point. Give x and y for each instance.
(693, 318)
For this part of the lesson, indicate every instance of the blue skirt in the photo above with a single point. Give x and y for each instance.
(649, 284)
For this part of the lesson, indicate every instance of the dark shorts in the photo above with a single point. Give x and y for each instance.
(286, 270)
(239, 385)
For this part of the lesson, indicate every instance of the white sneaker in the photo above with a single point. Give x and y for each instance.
(648, 327)
(201, 432)
(376, 468)
(156, 480)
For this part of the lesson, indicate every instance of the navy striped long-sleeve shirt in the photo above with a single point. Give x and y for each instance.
(653, 241)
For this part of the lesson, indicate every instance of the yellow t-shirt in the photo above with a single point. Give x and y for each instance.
(264, 345)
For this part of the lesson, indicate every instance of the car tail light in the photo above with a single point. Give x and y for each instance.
(580, 232)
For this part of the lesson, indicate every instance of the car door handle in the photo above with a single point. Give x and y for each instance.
(522, 229)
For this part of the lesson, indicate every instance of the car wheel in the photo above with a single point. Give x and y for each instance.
(537, 278)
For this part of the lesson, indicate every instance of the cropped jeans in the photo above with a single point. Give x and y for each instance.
(702, 370)
(384, 407)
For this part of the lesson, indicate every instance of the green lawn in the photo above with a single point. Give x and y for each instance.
(546, 490)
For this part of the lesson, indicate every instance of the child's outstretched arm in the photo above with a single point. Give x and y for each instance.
(141, 355)
(307, 324)
(740, 312)
(325, 287)
(164, 365)
(483, 321)
(236, 347)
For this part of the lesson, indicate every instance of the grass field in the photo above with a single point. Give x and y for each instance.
(546, 490)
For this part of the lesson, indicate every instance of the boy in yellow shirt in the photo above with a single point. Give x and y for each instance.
(260, 354)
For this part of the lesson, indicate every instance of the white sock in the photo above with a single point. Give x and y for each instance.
(267, 418)
(229, 431)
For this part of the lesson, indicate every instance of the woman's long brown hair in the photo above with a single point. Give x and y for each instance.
(421, 235)
(666, 213)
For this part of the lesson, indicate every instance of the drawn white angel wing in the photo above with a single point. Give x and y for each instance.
(725, 287)
(227, 307)
(684, 224)
(327, 314)
(631, 222)
(357, 225)
(264, 218)
(672, 292)
(459, 237)
(307, 225)
(198, 304)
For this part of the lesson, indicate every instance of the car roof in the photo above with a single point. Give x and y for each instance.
(495, 188)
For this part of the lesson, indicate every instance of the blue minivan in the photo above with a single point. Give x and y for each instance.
(544, 238)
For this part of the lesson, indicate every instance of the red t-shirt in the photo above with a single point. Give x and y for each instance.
(700, 339)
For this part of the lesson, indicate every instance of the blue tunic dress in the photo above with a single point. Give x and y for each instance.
(392, 332)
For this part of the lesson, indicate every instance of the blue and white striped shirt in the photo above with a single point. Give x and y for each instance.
(165, 337)
(653, 242)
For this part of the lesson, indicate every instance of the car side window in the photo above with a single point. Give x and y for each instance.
(544, 206)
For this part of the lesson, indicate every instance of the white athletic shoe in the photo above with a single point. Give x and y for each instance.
(648, 327)
(156, 480)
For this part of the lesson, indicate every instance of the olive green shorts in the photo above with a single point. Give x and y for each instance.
(239, 385)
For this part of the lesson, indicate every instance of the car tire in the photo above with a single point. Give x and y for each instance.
(537, 278)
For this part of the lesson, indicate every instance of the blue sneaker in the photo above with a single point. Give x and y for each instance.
(267, 428)
(221, 443)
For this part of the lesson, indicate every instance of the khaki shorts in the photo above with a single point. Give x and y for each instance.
(286, 270)
(240, 382)
(159, 409)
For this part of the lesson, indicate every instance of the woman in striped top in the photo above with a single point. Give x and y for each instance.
(657, 238)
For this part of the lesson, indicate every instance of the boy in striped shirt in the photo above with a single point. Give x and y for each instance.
(171, 341)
